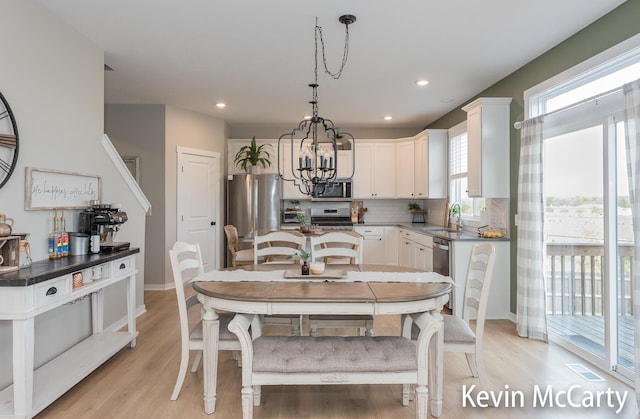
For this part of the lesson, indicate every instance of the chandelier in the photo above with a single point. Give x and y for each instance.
(314, 144)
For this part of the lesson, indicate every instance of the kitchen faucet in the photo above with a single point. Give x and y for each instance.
(458, 214)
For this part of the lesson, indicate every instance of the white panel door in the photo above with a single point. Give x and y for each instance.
(198, 203)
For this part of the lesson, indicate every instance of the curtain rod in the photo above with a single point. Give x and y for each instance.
(518, 124)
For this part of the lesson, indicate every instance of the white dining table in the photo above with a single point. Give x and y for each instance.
(364, 289)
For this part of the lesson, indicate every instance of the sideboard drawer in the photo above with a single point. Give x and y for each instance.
(122, 266)
(50, 291)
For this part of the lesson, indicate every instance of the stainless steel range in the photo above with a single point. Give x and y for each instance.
(332, 217)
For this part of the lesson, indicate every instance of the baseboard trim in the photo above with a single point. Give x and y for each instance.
(158, 287)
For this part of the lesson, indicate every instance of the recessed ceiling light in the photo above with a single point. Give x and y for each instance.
(447, 100)
(388, 118)
(221, 105)
(422, 82)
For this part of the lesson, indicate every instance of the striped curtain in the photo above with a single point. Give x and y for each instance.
(632, 143)
(532, 311)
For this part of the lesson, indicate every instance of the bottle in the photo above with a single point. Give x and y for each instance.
(305, 268)
(53, 238)
(65, 236)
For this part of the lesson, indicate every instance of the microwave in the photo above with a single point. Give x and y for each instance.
(339, 189)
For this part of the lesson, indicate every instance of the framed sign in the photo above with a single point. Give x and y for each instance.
(47, 189)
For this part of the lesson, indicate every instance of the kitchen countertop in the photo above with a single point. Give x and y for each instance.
(436, 231)
(46, 269)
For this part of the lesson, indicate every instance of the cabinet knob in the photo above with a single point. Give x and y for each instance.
(213, 223)
(122, 266)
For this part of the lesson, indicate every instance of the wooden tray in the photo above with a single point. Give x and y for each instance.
(327, 274)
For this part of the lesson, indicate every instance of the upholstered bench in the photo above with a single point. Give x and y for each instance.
(291, 360)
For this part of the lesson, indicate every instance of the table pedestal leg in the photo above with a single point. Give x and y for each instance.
(436, 368)
(210, 335)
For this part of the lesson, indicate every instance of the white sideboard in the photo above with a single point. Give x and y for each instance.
(46, 285)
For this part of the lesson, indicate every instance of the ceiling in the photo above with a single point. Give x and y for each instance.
(257, 56)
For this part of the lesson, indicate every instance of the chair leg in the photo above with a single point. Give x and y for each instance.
(406, 394)
(472, 362)
(196, 362)
(182, 372)
(296, 326)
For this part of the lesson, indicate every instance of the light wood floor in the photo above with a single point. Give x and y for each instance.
(137, 383)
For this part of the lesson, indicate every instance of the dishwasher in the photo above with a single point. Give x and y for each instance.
(442, 262)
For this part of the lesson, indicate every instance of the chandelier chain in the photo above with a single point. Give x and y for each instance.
(345, 52)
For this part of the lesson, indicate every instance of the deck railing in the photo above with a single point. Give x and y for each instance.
(575, 283)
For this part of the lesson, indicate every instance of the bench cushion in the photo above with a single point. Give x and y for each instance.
(291, 354)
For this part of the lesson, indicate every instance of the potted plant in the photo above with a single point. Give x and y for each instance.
(414, 207)
(253, 155)
(304, 256)
(303, 219)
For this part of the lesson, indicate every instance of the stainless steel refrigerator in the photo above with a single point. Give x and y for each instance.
(253, 204)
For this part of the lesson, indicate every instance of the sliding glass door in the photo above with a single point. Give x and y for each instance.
(589, 241)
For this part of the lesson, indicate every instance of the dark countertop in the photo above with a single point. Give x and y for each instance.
(44, 270)
(436, 231)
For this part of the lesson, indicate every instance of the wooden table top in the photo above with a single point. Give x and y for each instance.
(328, 291)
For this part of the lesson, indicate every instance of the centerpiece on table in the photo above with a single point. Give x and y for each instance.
(304, 256)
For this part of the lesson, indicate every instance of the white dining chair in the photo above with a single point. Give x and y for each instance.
(186, 263)
(278, 247)
(460, 334)
(338, 247)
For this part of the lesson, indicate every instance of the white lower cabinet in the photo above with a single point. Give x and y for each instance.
(415, 250)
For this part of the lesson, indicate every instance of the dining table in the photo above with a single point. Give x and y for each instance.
(279, 289)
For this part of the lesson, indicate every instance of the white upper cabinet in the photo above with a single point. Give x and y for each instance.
(430, 164)
(290, 190)
(405, 172)
(488, 147)
(345, 164)
(421, 165)
(375, 175)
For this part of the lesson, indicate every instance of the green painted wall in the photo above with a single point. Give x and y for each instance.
(613, 28)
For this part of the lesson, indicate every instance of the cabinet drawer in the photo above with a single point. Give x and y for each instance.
(369, 231)
(122, 266)
(52, 290)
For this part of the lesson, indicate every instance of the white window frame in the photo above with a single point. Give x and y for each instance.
(452, 132)
(614, 58)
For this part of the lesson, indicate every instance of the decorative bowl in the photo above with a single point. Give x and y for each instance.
(316, 268)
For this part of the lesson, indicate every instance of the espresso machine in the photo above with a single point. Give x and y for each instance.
(104, 220)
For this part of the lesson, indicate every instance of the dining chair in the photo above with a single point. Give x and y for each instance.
(338, 247)
(459, 335)
(238, 256)
(278, 247)
(186, 263)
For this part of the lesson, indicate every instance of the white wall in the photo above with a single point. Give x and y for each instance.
(139, 130)
(53, 79)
